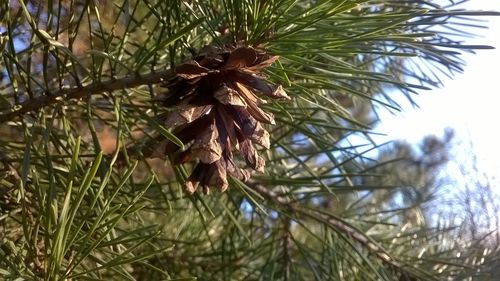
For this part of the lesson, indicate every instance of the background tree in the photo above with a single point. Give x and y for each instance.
(91, 90)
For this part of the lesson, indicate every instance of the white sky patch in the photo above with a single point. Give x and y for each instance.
(469, 103)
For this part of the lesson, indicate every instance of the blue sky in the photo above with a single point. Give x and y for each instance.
(469, 103)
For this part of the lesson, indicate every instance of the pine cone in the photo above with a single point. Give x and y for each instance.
(217, 111)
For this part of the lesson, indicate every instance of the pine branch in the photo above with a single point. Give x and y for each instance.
(341, 226)
(48, 99)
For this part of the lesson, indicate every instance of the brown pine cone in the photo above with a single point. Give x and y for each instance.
(216, 110)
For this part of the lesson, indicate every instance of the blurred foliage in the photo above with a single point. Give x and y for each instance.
(78, 86)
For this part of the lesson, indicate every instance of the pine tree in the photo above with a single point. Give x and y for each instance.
(115, 114)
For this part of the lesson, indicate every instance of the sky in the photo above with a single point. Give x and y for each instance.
(469, 103)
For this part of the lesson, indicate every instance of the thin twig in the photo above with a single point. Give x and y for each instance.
(287, 224)
(48, 99)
